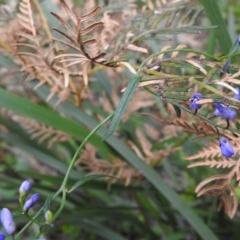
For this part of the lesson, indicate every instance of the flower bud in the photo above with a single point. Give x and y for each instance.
(48, 216)
(224, 111)
(195, 98)
(2, 236)
(31, 202)
(25, 188)
(226, 147)
(7, 221)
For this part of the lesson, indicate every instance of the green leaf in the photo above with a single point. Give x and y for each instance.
(46, 205)
(5, 61)
(214, 14)
(99, 229)
(177, 110)
(44, 115)
(86, 179)
(121, 108)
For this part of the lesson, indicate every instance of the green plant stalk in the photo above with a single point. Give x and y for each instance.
(212, 10)
(64, 183)
(64, 195)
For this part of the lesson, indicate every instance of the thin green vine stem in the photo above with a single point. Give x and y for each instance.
(64, 196)
(64, 183)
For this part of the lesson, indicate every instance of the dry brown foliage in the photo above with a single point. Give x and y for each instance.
(116, 166)
(40, 131)
(223, 186)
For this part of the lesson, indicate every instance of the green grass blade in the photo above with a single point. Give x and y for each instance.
(27, 108)
(86, 179)
(122, 105)
(100, 230)
(214, 14)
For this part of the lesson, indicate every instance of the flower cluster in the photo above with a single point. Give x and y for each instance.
(6, 215)
(24, 189)
(220, 111)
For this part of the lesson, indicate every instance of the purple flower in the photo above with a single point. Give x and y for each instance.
(239, 39)
(7, 221)
(31, 202)
(25, 187)
(2, 236)
(224, 112)
(237, 96)
(195, 98)
(226, 147)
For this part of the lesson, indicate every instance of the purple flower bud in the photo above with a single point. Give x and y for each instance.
(198, 96)
(2, 236)
(25, 187)
(7, 221)
(237, 96)
(31, 202)
(239, 39)
(195, 98)
(226, 147)
(224, 112)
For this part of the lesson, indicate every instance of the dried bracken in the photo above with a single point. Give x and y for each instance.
(223, 187)
(40, 131)
(114, 167)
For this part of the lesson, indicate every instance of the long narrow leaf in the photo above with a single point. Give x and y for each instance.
(27, 108)
(213, 12)
(121, 108)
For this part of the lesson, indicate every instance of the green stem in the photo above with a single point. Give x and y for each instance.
(64, 194)
(64, 183)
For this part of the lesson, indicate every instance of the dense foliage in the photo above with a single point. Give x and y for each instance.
(119, 119)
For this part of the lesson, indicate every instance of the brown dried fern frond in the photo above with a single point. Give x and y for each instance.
(217, 163)
(42, 132)
(30, 33)
(150, 157)
(114, 167)
(211, 151)
(76, 38)
(223, 190)
(200, 127)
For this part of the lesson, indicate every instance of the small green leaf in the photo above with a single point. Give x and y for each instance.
(225, 68)
(121, 108)
(177, 110)
(47, 203)
(86, 179)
